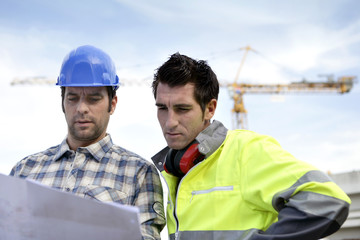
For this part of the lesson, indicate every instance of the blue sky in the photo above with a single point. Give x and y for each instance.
(294, 40)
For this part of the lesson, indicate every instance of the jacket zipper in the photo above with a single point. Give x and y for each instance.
(173, 207)
(176, 200)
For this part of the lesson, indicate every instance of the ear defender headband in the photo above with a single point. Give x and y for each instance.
(179, 162)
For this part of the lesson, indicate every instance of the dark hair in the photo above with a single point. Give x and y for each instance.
(111, 93)
(180, 70)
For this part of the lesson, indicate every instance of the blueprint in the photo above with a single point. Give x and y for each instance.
(31, 211)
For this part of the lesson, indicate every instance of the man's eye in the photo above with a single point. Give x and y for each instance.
(94, 99)
(183, 109)
(71, 99)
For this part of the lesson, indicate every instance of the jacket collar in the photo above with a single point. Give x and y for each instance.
(209, 140)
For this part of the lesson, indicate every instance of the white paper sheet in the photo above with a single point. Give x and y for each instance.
(31, 211)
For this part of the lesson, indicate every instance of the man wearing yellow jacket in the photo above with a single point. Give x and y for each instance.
(233, 184)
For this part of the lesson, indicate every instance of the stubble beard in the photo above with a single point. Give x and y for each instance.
(86, 135)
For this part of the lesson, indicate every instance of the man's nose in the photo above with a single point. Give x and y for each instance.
(172, 120)
(82, 107)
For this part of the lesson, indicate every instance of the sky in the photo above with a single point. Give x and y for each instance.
(292, 41)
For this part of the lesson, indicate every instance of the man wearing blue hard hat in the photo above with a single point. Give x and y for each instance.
(87, 163)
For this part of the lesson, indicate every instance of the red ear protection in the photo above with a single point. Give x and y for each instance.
(179, 162)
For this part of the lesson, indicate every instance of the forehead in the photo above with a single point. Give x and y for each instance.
(179, 93)
(85, 90)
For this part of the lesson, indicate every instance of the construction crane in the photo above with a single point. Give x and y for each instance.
(236, 90)
(343, 85)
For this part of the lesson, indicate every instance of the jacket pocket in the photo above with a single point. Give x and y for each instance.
(210, 190)
(105, 194)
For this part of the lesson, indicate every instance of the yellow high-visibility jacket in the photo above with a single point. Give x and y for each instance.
(248, 187)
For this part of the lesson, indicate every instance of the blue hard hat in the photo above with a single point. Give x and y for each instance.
(87, 66)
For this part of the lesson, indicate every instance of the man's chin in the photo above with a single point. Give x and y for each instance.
(85, 135)
(176, 146)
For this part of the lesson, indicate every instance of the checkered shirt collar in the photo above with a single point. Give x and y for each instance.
(97, 150)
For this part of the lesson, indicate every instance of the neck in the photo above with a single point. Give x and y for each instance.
(74, 143)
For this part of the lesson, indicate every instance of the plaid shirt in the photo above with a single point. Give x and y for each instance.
(101, 171)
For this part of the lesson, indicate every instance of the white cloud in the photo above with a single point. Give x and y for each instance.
(312, 46)
(298, 39)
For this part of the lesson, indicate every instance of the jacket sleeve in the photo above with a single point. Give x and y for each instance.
(297, 225)
(308, 203)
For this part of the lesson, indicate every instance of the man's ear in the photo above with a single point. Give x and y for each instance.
(113, 104)
(210, 109)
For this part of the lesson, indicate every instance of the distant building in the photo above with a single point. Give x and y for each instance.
(350, 183)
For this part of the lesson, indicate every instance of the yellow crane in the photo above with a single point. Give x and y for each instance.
(239, 119)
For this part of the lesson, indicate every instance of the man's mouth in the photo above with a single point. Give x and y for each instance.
(83, 122)
(173, 135)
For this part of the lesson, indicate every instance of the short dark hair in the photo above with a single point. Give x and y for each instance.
(111, 93)
(180, 70)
